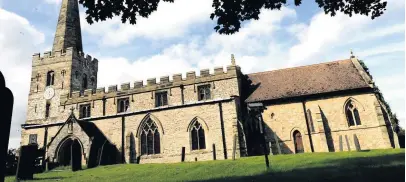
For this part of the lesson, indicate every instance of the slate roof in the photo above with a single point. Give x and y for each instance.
(306, 80)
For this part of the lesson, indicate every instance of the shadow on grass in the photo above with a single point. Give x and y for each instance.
(380, 168)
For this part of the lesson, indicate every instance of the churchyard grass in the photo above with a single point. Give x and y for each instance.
(374, 165)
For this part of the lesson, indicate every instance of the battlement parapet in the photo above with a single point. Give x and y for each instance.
(112, 88)
(164, 79)
(138, 84)
(125, 86)
(151, 84)
(151, 81)
(88, 92)
(100, 90)
(204, 72)
(177, 77)
(60, 55)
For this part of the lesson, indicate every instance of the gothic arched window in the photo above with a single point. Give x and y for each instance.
(197, 134)
(50, 78)
(84, 82)
(150, 139)
(351, 111)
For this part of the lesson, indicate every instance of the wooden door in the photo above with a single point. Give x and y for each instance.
(297, 136)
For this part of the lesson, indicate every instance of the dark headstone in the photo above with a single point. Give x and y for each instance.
(356, 142)
(6, 106)
(183, 154)
(214, 151)
(26, 162)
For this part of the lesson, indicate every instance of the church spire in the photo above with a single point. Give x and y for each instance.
(68, 33)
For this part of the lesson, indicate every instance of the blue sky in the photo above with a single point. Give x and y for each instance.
(176, 39)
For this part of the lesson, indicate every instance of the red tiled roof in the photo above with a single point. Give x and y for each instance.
(306, 80)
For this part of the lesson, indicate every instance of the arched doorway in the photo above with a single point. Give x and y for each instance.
(297, 138)
(70, 153)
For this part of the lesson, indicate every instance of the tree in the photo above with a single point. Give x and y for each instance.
(229, 13)
(393, 118)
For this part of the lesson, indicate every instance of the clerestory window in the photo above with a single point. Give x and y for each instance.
(161, 99)
(204, 92)
(122, 105)
(84, 111)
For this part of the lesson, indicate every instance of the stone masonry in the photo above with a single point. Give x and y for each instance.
(316, 108)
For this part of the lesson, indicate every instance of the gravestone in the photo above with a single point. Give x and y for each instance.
(26, 162)
(341, 143)
(183, 154)
(6, 105)
(214, 151)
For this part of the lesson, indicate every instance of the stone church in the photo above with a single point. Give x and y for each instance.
(328, 107)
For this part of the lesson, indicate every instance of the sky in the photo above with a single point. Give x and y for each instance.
(179, 37)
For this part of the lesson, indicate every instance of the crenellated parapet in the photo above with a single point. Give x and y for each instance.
(151, 84)
(67, 54)
(88, 60)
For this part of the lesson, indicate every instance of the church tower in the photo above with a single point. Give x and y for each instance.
(61, 71)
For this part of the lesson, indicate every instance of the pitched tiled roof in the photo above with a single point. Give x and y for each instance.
(306, 80)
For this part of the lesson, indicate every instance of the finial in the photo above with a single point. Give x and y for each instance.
(232, 60)
(352, 54)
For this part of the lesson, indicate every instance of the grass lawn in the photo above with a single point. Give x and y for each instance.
(375, 165)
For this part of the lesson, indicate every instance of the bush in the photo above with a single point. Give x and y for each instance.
(11, 162)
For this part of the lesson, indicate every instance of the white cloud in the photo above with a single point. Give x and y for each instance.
(56, 2)
(200, 53)
(382, 49)
(169, 21)
(257, 46)
(18, 41)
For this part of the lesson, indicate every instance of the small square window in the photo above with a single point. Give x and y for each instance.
(84, 111)
(204, 92)
(33, 139)
(123, 105)
(161, 99)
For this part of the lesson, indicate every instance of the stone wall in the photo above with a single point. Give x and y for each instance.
(330, 124)
(174, 118)
(65, 64)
